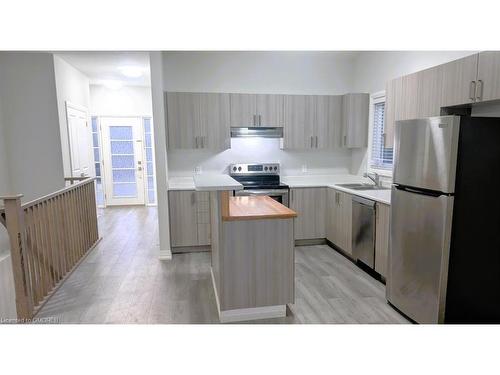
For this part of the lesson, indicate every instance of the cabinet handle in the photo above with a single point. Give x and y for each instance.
(312, 142)
(472, 90)
(479, 89)
(202, 142)
(192, 198)
(196, 142)
(260, 120)
(254, 120)
(316, 141)
(345, 140)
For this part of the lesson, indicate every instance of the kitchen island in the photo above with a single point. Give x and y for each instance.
(252, 252)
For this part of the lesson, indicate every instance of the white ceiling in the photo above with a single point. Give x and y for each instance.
(101, 66)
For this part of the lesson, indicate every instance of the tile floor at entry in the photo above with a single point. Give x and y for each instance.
(122, 281)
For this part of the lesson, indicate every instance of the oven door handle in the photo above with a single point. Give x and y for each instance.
(262, 192)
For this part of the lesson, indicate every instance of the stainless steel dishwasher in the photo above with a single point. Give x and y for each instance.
(363, 230)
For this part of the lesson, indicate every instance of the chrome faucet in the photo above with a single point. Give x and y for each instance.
(375, 178)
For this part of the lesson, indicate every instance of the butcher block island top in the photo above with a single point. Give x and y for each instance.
(256, 208)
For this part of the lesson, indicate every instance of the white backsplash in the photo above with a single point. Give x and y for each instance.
(258, 150)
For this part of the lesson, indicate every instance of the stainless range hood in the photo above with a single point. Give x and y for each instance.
(257, 131)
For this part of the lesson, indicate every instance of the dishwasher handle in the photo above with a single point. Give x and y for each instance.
(363, 201)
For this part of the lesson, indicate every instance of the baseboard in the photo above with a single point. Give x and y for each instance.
(191, 249)
(254, 313)
(241, 315)
(165, 255)
(310, 242)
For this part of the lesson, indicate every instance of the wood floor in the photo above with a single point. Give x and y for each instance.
(122, 281)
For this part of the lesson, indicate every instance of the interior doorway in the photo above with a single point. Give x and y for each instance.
(79, 142)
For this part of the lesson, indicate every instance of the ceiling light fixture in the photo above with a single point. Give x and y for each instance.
(132, 71)
(113, 84)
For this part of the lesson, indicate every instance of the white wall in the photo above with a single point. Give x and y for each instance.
(259, 72)
(127, 101)
(256, 72)
(72, 86)
(373, 69)
(31, 123)
(4, 183)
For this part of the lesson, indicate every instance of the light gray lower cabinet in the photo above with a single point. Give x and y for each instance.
(355, 109)
(339, 219)
(189, 218)
(198, 120)
(382, 232)
(310, 205)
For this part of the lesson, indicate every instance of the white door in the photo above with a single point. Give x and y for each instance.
(122, 146)
(79, 141)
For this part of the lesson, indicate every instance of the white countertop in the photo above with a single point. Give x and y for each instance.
(215, 182)
(224, 182)
(332, 181)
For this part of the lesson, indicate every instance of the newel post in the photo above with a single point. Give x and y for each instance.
(14, 218)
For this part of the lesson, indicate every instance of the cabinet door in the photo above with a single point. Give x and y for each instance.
(458, 81)
(488, 75)
(299, 119)
(183, 218)
(243, 110)
(393, 100)
(334, 124)
(310, 205)
(270, 109)
(355, 120)
(345, 221)
(332, 216)
(214, 114)
(382, 230)
(429, 92)
(203, 218)
(183, 120)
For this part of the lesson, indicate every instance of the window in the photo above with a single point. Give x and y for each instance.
(97, 162)
(380, 156)
(150, 173)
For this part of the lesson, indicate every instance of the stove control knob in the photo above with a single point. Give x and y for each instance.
(275, 168)
(234, 168)
(239, 169)
(265, 168)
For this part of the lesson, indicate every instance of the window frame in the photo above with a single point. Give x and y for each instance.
(375, 98)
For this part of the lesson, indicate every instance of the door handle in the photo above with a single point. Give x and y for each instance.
(139, 169)
(479, 89)
(472, 90)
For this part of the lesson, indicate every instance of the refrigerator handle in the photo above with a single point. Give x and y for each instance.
(419, 191)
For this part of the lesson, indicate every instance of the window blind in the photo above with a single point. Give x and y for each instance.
(381, 157)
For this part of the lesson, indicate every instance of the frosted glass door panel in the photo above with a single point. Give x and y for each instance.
(124, 160)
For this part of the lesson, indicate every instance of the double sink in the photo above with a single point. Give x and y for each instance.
(362, 186)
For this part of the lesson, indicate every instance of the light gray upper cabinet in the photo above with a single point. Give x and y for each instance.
(355, 109)
(249, 110)
(312, 121)
(310, 205)
(198, 120)
(488, 76)
(457, 80)
(299, 118)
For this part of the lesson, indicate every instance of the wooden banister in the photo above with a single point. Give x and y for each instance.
(49, 237)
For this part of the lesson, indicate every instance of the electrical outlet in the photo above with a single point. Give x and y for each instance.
(197, 169)
(304, 168)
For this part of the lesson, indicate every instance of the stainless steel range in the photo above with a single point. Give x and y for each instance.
(260, 179)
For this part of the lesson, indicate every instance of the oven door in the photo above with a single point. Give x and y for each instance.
(280, 195)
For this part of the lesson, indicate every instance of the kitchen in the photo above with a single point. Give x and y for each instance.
(337, 204)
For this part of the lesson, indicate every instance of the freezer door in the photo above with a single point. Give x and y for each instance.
(419, 254)
(425, 153)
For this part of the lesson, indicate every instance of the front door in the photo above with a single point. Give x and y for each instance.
(122, 144)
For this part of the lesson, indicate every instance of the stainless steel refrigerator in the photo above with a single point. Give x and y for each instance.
(444, 254)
